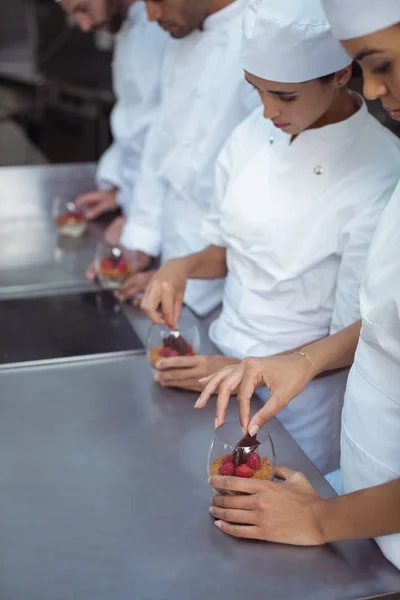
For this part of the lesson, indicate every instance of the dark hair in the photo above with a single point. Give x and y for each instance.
(327, 78)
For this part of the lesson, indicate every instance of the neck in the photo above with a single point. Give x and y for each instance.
(217, 5)
(341, 109)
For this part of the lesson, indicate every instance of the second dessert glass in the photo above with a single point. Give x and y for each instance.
(113, 264)
(157, 341)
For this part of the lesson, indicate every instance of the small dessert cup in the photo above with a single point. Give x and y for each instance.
(69, 220)
(113, 265)
(162, 342)
(255, 462)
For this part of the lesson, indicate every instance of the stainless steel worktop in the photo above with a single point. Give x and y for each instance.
(33, 257)
(104, 495)
(103, 485)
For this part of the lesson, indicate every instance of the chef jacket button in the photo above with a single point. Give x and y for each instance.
(318, 170)
(271, 139)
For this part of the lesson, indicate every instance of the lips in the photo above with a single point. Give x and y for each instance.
(395, 114)
(282, 125)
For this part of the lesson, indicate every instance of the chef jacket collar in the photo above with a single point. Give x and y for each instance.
(334, 135)
(135, 11)
(224, 16)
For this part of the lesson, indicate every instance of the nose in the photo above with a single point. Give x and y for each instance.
(154, 11)
(374, 87)
(85, 22)
(271, 110)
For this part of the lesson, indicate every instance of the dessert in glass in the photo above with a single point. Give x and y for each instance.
(69, 220)
(113, 265)
(233, 454)
(163, 342)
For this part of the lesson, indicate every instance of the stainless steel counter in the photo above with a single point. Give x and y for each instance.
(104, 495)
(33, 257)
(103, 486)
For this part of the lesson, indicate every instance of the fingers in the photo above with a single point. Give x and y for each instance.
(271, 407)
(132, 286)
(177, 362)
(239, 531)
(91, 272)
(284, 473)
(232, 515)
(212, 386)
(97, 209)
(242, 502)
(175, 376)
(168, 307)
(226, 389)
(151, 301)
(235, 484)
(85, 200)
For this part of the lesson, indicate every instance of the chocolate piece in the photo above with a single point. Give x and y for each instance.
(244, 447)
(176, 342)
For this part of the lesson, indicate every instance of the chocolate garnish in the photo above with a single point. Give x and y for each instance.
(244, 447)
(176, 342)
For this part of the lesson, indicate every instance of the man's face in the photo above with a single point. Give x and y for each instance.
(179, 17)
(91, 15)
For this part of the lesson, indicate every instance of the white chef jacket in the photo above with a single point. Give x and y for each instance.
(204, 97)
(138, 55)
(370, 441)
(297, 219)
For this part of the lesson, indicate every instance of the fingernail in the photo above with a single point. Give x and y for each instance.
(202, 379)
(216, 423)
(196, 404)
(218, 524)
(254, 430)
(156, 377)
(209, 480)
(210, 509)
(158, 364)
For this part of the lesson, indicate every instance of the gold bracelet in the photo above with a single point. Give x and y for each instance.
(308, 357)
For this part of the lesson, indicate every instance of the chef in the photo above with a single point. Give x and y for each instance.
(292, 512)
(204, 97)
(138, 56)
(289, 224)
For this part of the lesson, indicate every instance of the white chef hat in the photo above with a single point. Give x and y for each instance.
(355, 18)
(290, 41)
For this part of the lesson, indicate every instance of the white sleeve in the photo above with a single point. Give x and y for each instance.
(142, 230)
(357, 239)
(108, 174)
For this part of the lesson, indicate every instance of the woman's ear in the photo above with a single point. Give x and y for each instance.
(343, 77)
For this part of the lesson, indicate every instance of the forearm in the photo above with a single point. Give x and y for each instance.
(210, 263)
(335, 351)
(368, 513)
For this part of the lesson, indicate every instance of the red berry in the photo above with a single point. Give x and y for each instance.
(228, 458)
(190, 350)
(107, 264)
(254, 461)
(174, 353)
(243, 471)
(189, 354)
(164, 352)
(122, 266)
(227, 468)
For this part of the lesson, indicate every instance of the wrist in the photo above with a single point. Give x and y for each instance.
(320, 510)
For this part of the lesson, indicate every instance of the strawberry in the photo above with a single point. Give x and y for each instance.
(253, 461)
(227, 469)
(227, 458)
(243, 471)
(164, 352)
(122, 266)
(107, 264)
(174, 353)
(190, 351)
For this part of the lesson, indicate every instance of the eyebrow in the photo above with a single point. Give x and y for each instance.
(276, 92)
(365, 53)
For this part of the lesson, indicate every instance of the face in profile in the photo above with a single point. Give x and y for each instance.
(379, 57)
(296, 107)
(179, 17)
(92, 15)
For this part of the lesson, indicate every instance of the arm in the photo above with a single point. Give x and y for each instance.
(167, 287)
(286, 376)
(293, 513)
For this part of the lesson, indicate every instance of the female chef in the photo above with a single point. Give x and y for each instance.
(299, 193)
(370, 443)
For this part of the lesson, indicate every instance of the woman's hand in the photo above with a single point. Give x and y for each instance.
(94, 204)
(289, 513)
(185, 371)
(134, 285)
(285, 377)
(166, 290)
